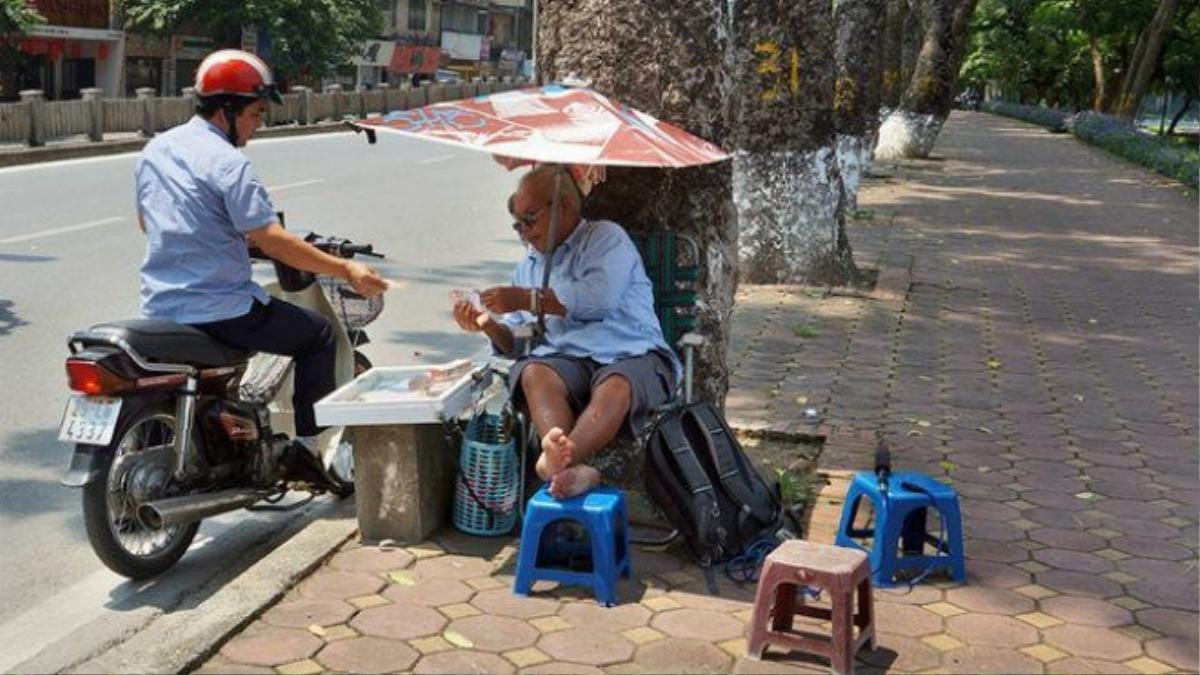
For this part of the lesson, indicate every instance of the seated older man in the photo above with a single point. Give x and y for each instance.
(603, 364)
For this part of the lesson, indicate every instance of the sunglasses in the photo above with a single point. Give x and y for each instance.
(524, 222)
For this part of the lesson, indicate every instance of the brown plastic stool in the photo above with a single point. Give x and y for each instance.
(838, 572)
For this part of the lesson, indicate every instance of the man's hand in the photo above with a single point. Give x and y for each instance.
(505, 299)
(468, 318)
(364, 280)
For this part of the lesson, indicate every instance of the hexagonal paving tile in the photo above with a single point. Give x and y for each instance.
(580, 645)
(784, 664)
(463, 661)
(371, 559)
(262, 645)
(990, 660)
(1075, 561)
(1088, 611)
(1146, 547)
(1069, 539)
(698, 624)
(503, 602)
(327, 584)
(1092, 641)
(989, 600)
(430, 592)
(452, 568)
(494, 633)
(998, 575)
(907, 620)
(1079, 583)
(1176, 592)
(304, 613)
(903, 654)
(561, 668)
(399, 621)
(676, 655)
(996, 551)
(1169, 622)
(1078, 666)
(367, 655)
(991, 630)
(1179, 652)
(611, 619)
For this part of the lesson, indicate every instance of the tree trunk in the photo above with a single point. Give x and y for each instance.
(911, 130)
(787, 188)
(1098, 74)
(1187, 103)
(910, 43)
(667, 58)
(858, 59)
(893, 38)
(1145, 59)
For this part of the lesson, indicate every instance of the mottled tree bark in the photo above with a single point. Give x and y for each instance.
(892, 86)
(911, 130)
(667, 58)
(787, 187)
(858, 59)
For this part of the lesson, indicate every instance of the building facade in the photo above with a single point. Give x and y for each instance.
(77, 48)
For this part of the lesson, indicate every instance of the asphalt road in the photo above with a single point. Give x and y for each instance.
(69, 255)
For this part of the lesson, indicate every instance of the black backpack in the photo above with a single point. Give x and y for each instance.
(698, 475)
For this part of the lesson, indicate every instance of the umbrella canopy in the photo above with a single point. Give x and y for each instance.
(553, 124)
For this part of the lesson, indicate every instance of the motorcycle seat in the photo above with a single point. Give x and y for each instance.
(170, 342)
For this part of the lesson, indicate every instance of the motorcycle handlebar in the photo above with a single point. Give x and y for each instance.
(342, 248)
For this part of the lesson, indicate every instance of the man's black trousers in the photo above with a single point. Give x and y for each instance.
(283, 328)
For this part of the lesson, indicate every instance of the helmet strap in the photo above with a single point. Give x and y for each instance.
(231, 119)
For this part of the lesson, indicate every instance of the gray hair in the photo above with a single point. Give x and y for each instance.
(542, 178)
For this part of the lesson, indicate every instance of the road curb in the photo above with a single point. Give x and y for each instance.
(63, 151)
(182, 640)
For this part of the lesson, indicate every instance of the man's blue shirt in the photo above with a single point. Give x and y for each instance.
(598, 276)
(198, 196)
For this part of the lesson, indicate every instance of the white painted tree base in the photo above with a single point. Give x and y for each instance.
(789, 208)
(904, 134)
(854, 158)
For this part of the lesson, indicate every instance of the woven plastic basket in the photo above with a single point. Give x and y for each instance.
(488, 485)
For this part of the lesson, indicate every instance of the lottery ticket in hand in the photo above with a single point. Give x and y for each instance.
(472, 297)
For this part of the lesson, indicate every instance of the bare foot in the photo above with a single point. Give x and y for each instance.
(574, 481)
(558, 451)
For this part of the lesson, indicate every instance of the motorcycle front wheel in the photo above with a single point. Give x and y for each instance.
(121, 541)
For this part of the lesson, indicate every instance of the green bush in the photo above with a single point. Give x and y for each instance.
(1051, 118)
(1155, 152)
(1181, 162)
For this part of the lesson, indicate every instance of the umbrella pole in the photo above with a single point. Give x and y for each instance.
(552, 246)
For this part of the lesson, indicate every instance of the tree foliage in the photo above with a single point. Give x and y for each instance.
(16, 16)
(308, 38)
(1076, 53)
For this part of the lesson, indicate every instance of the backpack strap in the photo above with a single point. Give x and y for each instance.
(720, 443)
(694, 479)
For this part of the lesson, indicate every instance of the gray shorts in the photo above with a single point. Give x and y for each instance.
(651, 380)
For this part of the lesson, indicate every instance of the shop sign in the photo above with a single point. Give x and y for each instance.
(192, 47)
(462, 46)
(78, 13)
(74, 33)
(408, 59)
(375, 53)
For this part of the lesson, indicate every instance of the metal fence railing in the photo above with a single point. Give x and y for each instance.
(35, 121)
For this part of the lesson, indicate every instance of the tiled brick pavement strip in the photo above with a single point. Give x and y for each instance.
(1043, 360)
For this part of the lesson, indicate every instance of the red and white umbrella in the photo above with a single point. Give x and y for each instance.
(553, 124)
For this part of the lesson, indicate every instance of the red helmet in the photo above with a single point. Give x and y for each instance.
(232, 72)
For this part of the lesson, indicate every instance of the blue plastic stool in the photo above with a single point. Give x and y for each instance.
(900, 526)
(602, 512)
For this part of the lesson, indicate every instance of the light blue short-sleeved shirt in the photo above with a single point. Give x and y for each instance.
(598, 276)
(198, 196)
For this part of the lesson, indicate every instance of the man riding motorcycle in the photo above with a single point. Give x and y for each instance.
(200, 203)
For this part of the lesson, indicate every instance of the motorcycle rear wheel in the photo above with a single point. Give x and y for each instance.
(120, 540)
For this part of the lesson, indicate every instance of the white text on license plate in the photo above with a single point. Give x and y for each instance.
(90, 420)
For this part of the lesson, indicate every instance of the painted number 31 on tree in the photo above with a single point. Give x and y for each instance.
(779, 70)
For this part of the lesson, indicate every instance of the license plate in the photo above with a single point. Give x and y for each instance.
(90, 420)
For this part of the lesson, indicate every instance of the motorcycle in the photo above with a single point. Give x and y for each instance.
(171, 426)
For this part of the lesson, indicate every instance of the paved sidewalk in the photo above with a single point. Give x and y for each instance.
(1043, 360)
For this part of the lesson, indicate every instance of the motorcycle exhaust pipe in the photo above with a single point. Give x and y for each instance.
(190, 508)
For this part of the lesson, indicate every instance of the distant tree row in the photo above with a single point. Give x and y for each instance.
(1103, 55)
